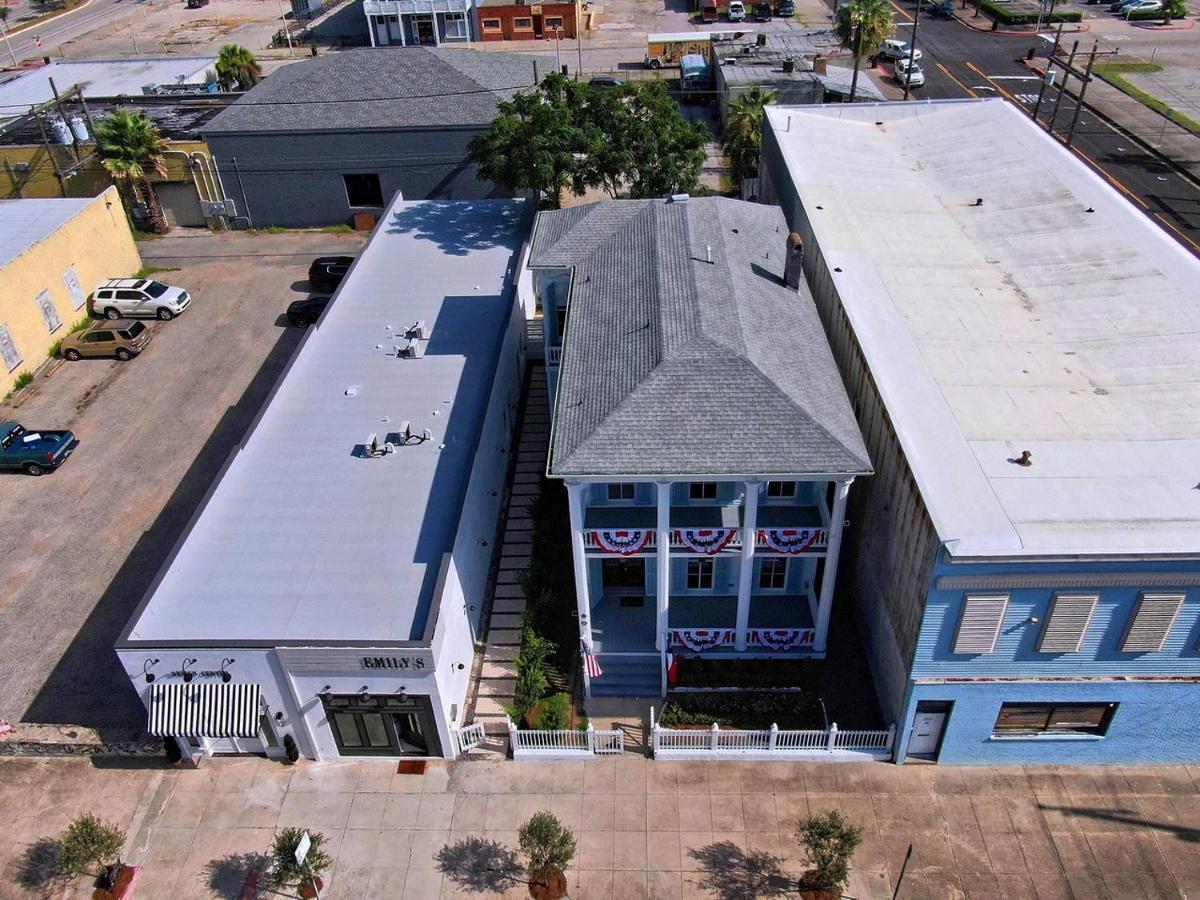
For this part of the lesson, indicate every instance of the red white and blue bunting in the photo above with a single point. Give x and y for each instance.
(700, 639)
(709, 541)
(625, 543)
(792, 540)
(782, 638)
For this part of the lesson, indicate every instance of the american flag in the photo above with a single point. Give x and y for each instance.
(591, 662)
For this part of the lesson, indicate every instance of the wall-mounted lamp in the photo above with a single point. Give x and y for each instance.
(187, 676)
(325, 693)
(225, 676)
(146, 670)
(459, 666)
(402, 697)
(279, 719)
(364, 694)
(1033, 620)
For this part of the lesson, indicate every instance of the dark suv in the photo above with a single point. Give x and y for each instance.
(327, 272)
(306, 312)
(762, 12)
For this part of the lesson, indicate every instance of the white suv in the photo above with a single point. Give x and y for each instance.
(120, 298)
(893, 49)
(904, 72)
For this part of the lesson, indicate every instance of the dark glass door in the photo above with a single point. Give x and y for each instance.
(382, 725)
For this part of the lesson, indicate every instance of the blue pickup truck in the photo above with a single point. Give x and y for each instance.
(34, 452)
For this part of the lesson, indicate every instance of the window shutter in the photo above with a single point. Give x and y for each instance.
(979, 625)
(1066, 622)
(1151, 621)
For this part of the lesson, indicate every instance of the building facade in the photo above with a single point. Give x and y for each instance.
(707, 455)
(1025, 564)
(53, 254)
(330, 586)
(429, 23)
(500, 20)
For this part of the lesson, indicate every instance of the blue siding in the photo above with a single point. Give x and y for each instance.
(1154, 723)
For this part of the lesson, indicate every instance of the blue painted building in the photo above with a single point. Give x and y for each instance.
(1025, 561)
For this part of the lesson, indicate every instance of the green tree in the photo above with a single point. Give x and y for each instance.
(237, 68)
(285, 871)
(742, 138)
(862, 26)
(4, 12)
(131, 148)
(547, 844)
(88, 844)
(830, 842)
(1175, 9)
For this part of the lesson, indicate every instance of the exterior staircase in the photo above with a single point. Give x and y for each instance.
(628, 676)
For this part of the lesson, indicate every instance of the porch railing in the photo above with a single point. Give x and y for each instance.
(699, 640)
(553, 356)
(467, 737)
(529, 743)
(771, 743)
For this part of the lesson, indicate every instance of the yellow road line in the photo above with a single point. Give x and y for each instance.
(975, 69)
(902, 12)
(956, 81)
(1167, 222)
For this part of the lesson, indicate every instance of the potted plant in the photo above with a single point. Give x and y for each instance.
(90, 846)
(286, 871)
(549, 847)
(830, 842)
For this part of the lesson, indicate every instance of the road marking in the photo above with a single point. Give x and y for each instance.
(974, 68)
(956, 81)
(902, 12)
(1167, 222)
(1027, 98)
(1116, 182)
(1012, 77)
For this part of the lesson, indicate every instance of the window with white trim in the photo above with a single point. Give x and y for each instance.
(8, 349)
(623, 491)
(702, 490)
(781, 489)
(456, 25)
(699, 574)
(523, 24)
(554, 22)
(772, 576)
(1035, 719)
(49, 313)
(490, 24)
(979, 623)
(1151, 622)
(1066, 623)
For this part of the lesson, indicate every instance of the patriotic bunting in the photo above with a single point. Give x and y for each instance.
(625, 543)
(700, 639)
(791, 540)
(709, 541)
(782, 638)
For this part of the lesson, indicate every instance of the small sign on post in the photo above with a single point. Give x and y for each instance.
(302, 848)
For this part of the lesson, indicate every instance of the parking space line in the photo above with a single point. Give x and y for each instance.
(956, 81)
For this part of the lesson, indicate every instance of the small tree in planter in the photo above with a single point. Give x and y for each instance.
(291, 751)
(549, 846)
(286, 872)
(89, 845)
(830, 841)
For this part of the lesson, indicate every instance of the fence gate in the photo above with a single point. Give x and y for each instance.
(468, 737)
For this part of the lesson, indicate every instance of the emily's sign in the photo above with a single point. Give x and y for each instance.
(410, 663)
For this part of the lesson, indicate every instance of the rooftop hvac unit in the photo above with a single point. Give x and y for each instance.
(418, 330)
(789, 66)
(412, 350)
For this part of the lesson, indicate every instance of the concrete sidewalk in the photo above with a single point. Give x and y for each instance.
(646, 829)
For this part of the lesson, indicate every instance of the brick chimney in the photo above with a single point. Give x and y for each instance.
(820, 65)
(793, 264)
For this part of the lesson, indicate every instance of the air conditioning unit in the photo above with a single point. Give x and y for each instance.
(412, 350)
(418, 330)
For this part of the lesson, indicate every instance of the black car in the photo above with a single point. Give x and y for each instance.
(327, 272)
(762, 12)
(606, 81)
(303, 313)
(785, 8)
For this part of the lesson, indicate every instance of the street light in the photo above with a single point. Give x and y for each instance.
(287, 32)
(912, 50)
(4, 31)
(557, 38)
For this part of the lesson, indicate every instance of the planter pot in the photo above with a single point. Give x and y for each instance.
(548, 885)
(118, 883)
(808, 892)
(306, 888)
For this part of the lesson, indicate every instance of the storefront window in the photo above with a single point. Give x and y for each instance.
(491, 24)
(456, 25)
(383, 725)
(523, 24)
(1054, 718)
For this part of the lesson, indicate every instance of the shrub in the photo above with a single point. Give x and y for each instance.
(531, 671)
(172, 749)
(89, 843)
(547, 844)
(55, 349)
(1026, 16)
(290, 749)
(553, 713)
(830, 842)
(23, 380)
(744, 709)
(286, 872)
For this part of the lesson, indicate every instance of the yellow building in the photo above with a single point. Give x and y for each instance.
(53, 254)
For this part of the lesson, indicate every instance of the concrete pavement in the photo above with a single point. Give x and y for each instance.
(646, 829)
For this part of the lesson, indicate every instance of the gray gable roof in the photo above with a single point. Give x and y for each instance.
(673, 365)
(381, 87)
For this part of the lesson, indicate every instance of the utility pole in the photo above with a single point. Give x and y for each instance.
(1062, 88)
(4, 31)
(912, 50)
(62, 179)
(557, 40)
(1048, 78)
(288, 31)
(578, 44)
(1087, 77)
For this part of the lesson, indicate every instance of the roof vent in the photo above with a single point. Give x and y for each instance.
(418, 330)
(680, 198)
(412, 350)
(1025, 459)
(789, 66)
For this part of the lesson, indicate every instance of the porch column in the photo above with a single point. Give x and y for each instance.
(578, 552)
(746, 574)
(662, 542)
(371, 29)
(837, 518)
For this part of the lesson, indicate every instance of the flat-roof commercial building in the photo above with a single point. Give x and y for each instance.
(331, 584)
(1020, 345)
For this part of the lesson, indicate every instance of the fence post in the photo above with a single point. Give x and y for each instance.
(832, 737)
(456, 740)
(891, 737)
(772, 736)
(712, 741)
(512, 735)
(591, 738)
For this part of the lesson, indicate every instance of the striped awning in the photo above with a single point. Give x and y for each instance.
(204, 710)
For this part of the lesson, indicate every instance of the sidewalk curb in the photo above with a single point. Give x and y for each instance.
(66, 12)
(1030, 33)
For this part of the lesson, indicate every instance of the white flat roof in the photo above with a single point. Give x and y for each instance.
(305, 539)
(99, 78)
(24, 223)
(1054, 317)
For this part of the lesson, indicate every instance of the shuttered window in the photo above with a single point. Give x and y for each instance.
(980, 623)
(1066, 622)
(1151, 621)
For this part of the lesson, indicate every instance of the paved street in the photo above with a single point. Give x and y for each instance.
(646, 829)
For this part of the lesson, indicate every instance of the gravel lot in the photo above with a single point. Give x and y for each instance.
(83, 543)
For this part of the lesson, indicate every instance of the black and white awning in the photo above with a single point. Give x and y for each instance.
(204, 710)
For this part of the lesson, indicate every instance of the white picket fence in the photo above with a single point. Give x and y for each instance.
(467, 737)
(528, 743)
(771, 743)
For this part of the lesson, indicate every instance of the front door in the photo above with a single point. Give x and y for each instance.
(425, 30)
(928, 725)
(537, 27)
(385, 725)
(624, 576)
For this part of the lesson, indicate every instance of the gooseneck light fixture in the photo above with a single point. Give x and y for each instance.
(187, 676)
(146, 670)
(225, 676)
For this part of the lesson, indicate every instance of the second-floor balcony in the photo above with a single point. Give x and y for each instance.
(630, 530)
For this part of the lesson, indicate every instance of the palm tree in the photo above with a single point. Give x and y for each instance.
(862, 26)
(131, 148)
(742, 138)
(237, 68)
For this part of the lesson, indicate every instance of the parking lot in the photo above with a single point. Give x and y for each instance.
(83, 543)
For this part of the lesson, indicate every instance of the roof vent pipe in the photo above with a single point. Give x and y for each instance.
(680, 198)
(793, 264)
(708, 253)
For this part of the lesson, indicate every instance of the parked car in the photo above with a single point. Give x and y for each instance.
(785, 8)
(736, 11)
(303, 313)
(709, 12)
(893, 49)
(34, 452)
(139, 298)
(942, 10)
(1129, 6)
(196, 4)
(605, 81)
(122, 338)
(327, 272)
(762, 12)
(904, 71)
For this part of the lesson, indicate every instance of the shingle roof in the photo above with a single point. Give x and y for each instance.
(673, 365)
(382, 87)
